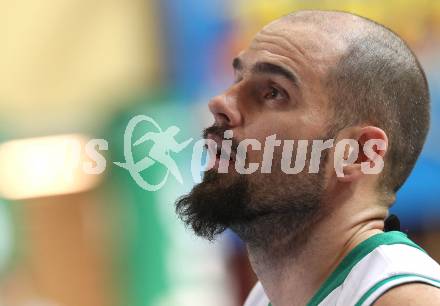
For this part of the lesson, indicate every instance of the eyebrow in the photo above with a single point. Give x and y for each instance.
(268, 68)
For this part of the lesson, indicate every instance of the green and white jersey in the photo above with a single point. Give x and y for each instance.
(376, 265)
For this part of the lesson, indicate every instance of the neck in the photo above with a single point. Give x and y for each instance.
(291, 276)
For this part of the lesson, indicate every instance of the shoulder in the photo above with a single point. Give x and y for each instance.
(389, 269)
(413, 294)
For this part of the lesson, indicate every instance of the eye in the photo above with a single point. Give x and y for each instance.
(274, 94)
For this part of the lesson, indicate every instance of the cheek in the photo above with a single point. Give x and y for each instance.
(289, 125)
(263, 131)
(268, 143)
(283, 125)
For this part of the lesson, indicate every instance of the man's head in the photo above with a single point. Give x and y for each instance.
(311, 75)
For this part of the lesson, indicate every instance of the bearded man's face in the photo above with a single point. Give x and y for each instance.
(274, 93)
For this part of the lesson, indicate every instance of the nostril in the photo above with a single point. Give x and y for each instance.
(225, 110)
(222, 119)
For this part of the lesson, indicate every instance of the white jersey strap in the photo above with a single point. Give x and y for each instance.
(386, 267)
(338, 276)
(373, 267)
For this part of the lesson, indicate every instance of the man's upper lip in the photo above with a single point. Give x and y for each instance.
(218, 141)
(216, 138)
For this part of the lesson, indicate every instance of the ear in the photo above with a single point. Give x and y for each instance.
(372, 145)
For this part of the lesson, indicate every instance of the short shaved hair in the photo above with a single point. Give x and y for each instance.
(377, 81)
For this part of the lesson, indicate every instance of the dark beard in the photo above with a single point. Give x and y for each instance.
(294, 211)
(265, 210)
(215, 204)
(262, 211)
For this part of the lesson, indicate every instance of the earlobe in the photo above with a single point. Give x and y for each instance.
(350, 173)
(346, 154)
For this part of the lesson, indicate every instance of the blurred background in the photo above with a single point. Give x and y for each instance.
(73, 70)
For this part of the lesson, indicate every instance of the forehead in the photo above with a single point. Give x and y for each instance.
(304, 47)
(308, 51)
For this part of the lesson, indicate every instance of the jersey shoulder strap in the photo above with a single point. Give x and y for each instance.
(373, 267)
(376, 265)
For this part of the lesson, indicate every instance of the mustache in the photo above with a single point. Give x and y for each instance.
(219, 131)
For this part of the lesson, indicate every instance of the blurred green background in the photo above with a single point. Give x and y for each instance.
(73, 70)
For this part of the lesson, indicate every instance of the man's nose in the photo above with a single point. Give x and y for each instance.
(225, 110)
